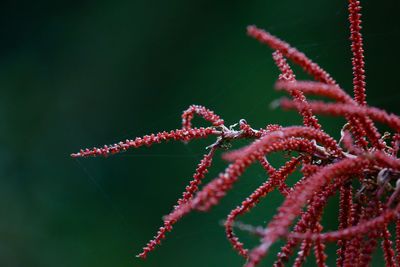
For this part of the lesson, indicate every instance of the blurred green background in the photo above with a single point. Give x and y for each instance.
(77, 74)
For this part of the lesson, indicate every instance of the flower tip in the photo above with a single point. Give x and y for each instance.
(75, 155)
(251, 28)
(141, 255)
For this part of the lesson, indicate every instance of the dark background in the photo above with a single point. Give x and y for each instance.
(77, 74)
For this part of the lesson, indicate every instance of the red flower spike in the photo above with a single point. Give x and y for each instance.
(353, 246)
(386, 243)
(303, 253)
(305, 247)
(147, 140)
(267, 166)
(291, 53)
(398, 240)
(298, 96)
(316, 88)
(348, 233)
(319, 251)
(335, 93)
(371, 243)
(358, 52)
(387, 248)
(205, 113)
(201, 171)
(345, 206)
(287, 74)
(308, 220)
(361, 126)
(336, 109)
(276, 179)
(366, 208)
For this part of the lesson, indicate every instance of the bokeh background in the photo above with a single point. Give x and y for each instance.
(77, 74)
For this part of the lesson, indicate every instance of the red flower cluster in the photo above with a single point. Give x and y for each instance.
(362, 166)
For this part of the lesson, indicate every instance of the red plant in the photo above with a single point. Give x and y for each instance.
(362, 166)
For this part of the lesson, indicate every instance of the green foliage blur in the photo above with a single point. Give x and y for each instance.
(77, 74)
